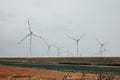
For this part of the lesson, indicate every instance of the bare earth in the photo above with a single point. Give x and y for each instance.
(16, 73)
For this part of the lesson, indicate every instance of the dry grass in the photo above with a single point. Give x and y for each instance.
(76, 60)
(15, 73)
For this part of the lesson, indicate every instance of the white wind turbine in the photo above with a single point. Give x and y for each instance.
(30, 34)
(58, 50)
(49, 47)
(69, 53)
(101, 48)
(77, 41)
(101, 44)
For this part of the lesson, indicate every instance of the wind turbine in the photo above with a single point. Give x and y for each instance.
(30, 34)
(77, 41)
(58, 50)
(49, 47)
(69, 53)
(101, 48)
(101, 44)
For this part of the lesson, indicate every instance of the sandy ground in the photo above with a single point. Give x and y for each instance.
(16, 73)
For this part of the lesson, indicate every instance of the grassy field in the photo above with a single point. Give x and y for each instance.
(17, 73)
(109, 61)
(97, 67)
(64, 67)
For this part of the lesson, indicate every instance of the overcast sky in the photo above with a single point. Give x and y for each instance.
(55, 20)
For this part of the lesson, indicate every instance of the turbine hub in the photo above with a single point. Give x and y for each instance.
(31, 33)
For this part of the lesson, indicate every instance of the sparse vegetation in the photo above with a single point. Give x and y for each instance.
(110, 61)
(59, 71)
(14, 73)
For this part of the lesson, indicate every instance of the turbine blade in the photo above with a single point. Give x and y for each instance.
(24, 38)
(81, 36)
(29, 25)
(37, 36)
(99, 42)
(46, 43)
(72, 38)
(101, 47)
(106, 43)
(105, 50)
(52, 44)
(56, 46)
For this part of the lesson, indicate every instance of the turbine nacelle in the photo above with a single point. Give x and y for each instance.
(31, 33)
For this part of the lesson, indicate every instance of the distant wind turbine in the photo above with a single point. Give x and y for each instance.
(30, 34)
(101, 44)
(58, 50)
(69, 53)
(77, 41)
(101, 48)
(49, 47)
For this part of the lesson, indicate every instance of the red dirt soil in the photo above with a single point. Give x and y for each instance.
(16, 73)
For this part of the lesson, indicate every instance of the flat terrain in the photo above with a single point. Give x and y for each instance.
(17, 73)
(109, 61)
(79, 68)
(64, 67)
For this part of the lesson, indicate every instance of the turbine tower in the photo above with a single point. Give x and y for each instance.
(49, 47)
(69, 53)
(30, 34)
(101, 48)
(104, 51)
(58, 50)
(77, 41)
